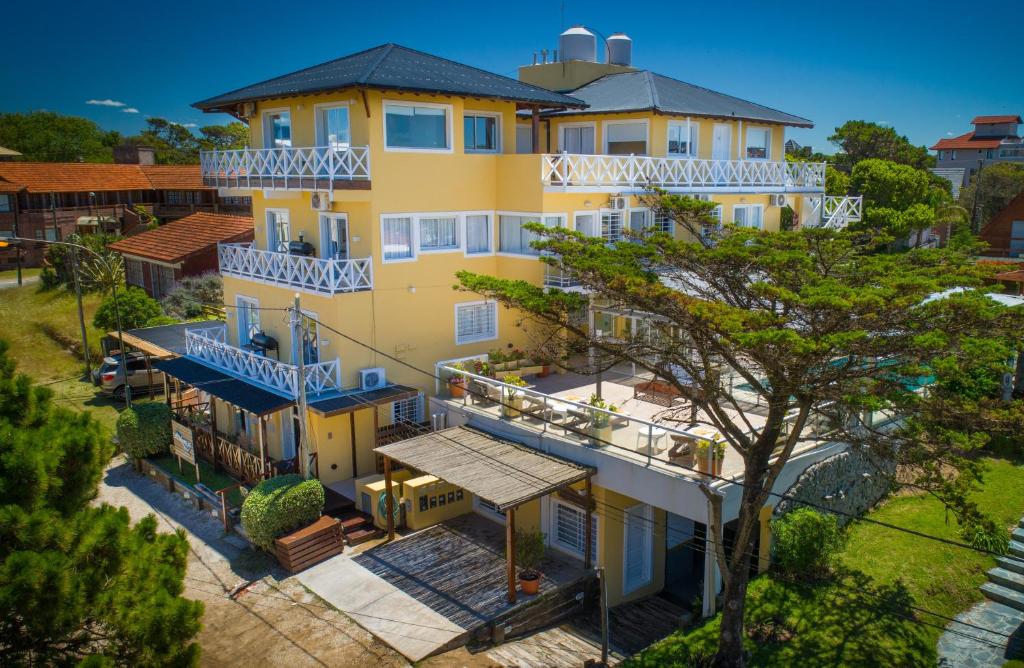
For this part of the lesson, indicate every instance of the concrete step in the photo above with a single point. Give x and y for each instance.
(1017, 549)
(1018, 534)
(362, 535)
(1011, 563)
(1021, 523)
(1007, 578)
(1004, 595)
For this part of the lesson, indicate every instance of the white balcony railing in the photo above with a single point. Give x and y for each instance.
(302, 168)
(571, 171)
(312, 274)
(209, 345)
(834, 212)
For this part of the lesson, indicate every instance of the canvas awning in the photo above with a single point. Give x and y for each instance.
(247, 396)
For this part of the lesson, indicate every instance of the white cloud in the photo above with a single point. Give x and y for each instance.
(106, 103)
(949, 134)
(189, 125)
(885, 124)
(129, 110)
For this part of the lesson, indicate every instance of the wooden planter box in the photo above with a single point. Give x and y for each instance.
(309, 545)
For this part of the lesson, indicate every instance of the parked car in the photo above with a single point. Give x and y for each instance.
(110, 377)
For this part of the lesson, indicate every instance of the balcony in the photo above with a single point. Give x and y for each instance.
(589, 173)
(323, 276)
(834, 212)
(303, 168)
(210, 346)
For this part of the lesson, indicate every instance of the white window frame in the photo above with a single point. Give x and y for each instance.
(265, 125)
(647, 515)
(562, 220)
(706, 230)
(320, 132)
(576, 215)
(297, 343)
(413, 241)
(251, 302)
(694, 137)
(552, 529)
(266, 221)
(581, 124)
(748, 206)
(476, 339)
(623, 224)
(768, 143)
(492, 220)
(333, 217)
(459, 236)
(449, 112)
(497, 131)
(417, 411)
(632, 121)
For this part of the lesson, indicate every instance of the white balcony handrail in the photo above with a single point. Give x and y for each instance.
(835, 211)
(637, 171)
(209, 345)
(287, 168)
(322, 275)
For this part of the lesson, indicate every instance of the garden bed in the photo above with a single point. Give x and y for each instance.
(164, 469)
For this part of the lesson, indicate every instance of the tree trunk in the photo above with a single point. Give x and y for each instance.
(730, 638)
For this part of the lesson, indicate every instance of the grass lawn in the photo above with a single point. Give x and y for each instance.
(187, 474)
(857, 618)
(12, 274)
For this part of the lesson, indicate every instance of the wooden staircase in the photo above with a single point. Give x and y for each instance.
(356, 526)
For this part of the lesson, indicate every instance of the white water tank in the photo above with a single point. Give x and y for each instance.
(620, 49)
(577, 43)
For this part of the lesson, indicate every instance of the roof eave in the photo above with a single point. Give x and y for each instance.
(804, 123)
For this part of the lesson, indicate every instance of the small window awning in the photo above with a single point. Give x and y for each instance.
(505, 473)
(346, 403)
(247, 396)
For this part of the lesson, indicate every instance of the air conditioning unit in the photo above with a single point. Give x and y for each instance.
(702, 197)
(320, 201)
(372, 379)
(619, 203)
(248, 109)
(777, 200)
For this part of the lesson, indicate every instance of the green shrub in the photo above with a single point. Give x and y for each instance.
(806, 542)
(984, 533)
(161, 320)
(144, 429)
(135, 306)
(278, 505)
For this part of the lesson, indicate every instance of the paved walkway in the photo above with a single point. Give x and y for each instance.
(964, 646)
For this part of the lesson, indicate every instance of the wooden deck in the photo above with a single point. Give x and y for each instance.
(457, 569)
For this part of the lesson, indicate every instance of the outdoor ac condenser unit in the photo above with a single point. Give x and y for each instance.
(248, 109)
(320, 201)
(778, 200)
(372, 379)
(619, 203)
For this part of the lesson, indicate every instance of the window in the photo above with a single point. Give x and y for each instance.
(334, 236)
(638, 546)
(682, 142)
(396, 238)
(524, 139)
(611, 225)
(476, 321)
(1016, 238)
(416, 127)
(484, 504)
(514, 238)
(406, 411)
(332, 127)
(439, 233)
(50, 234)
(586, 224)
(248, 319)
(165, 280)
(748, 215)
(942, 155)
(758, 143)
(663, 223)
(625, 138)
(478, 234)
(480, 132)
(577, 139)
(709, 232)
(569, 528)
(278, 230)
(990, 154)
(639, 220)
(5, 203)
(181, 197)
(277, 129)
(310, 336)
(952, 155)
(133, 272)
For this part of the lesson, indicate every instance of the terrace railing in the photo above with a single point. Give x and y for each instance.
(285, 168)
(313, 274)
(635, 171)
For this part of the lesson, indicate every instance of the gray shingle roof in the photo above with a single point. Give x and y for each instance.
(393, 67)
(645, 91)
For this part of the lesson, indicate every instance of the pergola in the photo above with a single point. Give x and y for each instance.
(505, 473)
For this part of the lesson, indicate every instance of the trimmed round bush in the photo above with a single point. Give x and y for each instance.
(807, 542)
(144, 429)
(280, 504)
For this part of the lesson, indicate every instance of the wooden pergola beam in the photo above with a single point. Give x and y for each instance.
(510, 552)
(389, 498)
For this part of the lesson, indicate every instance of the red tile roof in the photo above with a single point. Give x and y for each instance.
(175, 241)
(965, 141)
(1005, 118)
(44, 177)
(1016, 276)
(8, 187)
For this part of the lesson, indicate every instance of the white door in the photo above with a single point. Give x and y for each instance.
(636, 566)
(278, 232)
(721, 142)
(334, 237)
(578, 140)
(288, 433)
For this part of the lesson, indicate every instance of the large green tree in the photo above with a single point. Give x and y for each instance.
(860, 140)
(991, 190)
(816, 323)
(898, 199)
(79, 582)
(45, 136)
(176, 144)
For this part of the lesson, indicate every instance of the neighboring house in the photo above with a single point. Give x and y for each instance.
(50, 200)
(1004, 234)
(994, 139)
(378, 175)
(157, 259)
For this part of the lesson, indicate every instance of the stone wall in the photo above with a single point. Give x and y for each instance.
(850, 482)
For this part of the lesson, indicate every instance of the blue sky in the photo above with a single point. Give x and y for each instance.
(894, 62)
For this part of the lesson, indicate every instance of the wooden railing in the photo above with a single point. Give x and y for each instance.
(287, 168)
(314, 274)
(573, 171)
(220, 451)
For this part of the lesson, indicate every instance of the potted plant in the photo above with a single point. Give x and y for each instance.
(457, 382)
(515, 359)
(482, 368)
(601, 421)
(512, 397)
(497, 359)
(529, 553)
(710, 456)
(544, 361)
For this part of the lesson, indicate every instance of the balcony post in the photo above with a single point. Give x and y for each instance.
(535, 128)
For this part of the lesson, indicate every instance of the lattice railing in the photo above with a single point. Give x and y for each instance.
(322, 275)
(292, 168)
(636, 171)
(834, 212)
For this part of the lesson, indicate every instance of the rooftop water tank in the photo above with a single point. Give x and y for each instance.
(577, 43)
(620, 49)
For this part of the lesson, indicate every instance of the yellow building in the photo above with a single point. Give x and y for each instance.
(377, 176)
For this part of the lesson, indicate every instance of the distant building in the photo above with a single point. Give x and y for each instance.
(1004, 234)
(994, 139)
(793, 148)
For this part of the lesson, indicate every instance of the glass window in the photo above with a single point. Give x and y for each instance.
(758, 143)
(626, 138)
(611, 225)
(248, 319)
(514, 238)
(586, 224)
(278, 130)
(749, 215)
(639, 220)
(310, 339)
(50, 234)
(681, 142)
(570, 523)
(663, 223)
(5, 203)
(334, 132)
(133, 272)
(278, 231)
(406, 411)
(481, 132)
(478, 234)
(708, 232)
(408, 126)
(578, 140)
(439, 233)
(397, 238)
(476, 322)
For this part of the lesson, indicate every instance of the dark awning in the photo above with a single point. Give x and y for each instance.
(347, 403)
(164, 340)
(247, 396)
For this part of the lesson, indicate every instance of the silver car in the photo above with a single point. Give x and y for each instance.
(110, 377)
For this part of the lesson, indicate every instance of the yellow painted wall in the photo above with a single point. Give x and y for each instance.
(442, 499)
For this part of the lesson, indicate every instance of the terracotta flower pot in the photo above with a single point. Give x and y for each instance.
(529, 583)
(458, 390)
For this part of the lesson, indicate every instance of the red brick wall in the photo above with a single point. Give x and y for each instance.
(997, 233)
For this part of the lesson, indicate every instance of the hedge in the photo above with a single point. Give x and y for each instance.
(144, 429)
(807, 543)
(280, 504)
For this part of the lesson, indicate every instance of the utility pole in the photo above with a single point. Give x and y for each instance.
(17, 249)
(304, 453)
(81, 314)
(604, 616)
(975, 210)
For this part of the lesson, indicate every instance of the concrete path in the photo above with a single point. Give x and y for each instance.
(13, 283)
(390, 614)
(963, 645)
